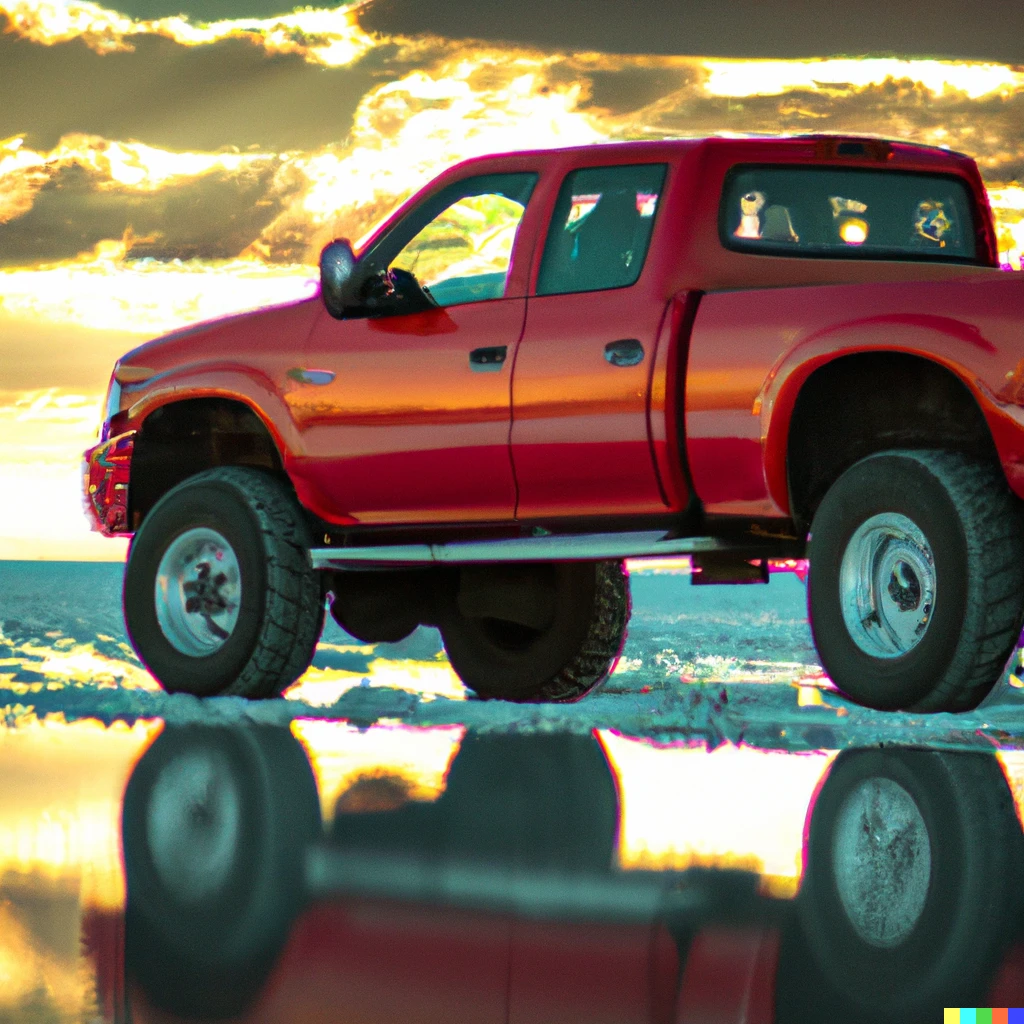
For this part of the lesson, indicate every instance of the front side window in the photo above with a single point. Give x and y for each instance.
(463, 251)
(840, 212)
(601, 228)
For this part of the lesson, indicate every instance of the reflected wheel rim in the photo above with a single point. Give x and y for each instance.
(882, 860)
(194, 824)
(887, 586)
(198, 592)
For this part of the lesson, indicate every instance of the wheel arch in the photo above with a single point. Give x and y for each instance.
(901, 399)
(181, 437)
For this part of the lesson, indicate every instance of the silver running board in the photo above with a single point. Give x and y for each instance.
(584, 547)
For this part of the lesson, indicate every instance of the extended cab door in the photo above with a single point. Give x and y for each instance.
(406, 414)
(580, 387)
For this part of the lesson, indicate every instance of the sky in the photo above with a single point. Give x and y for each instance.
(165, 162)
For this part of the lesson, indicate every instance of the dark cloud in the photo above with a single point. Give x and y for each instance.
(623, 91)
(726, 28)
(212, 217)
(229, 93)
(987, 129)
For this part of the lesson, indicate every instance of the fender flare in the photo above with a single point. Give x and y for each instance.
(938, 342)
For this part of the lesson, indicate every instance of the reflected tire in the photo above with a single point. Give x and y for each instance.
(916, 583)
(559, 663)
(215, 825)
(911, 888)
(250, 519)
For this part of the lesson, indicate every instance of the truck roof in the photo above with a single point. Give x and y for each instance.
(825, 146)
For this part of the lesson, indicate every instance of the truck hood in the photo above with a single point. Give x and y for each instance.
(212, 339)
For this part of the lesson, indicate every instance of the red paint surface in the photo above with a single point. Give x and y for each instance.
(752, 351)
(596, 973)
(729, 977)
(408, 433)
(103, 945)
(580, 439)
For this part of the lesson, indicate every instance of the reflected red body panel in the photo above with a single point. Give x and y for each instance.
(407, 433)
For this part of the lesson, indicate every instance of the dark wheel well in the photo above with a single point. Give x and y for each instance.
(184, 438)
(860, 404)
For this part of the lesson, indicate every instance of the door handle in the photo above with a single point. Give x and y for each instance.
(627, 352)
(304, 376)
(487, 360)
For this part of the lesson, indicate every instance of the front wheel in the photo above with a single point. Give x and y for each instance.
(219, 593)
(216, 822)
(916, 581)
(557, 646)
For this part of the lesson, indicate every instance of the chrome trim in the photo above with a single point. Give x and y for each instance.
(584, 547)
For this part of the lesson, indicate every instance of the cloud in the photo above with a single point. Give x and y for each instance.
(741, 28)
(214, 216)
(226, 93)
(328, 36)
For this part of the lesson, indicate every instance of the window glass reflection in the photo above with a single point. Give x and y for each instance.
(833, 212)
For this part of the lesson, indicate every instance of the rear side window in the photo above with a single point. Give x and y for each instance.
(601, 228)
(838, 212)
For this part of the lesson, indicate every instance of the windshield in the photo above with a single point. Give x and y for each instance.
(464, 254)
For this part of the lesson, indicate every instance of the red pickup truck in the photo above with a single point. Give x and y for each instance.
(547, 362)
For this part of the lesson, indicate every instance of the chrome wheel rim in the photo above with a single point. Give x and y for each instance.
(198, 592)
(882, 862)
(887, 585)
(193, 825)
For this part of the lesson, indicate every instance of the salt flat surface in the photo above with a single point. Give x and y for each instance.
(718, 664)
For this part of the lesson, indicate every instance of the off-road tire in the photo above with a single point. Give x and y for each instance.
(282, 603)
(569, 658)
(973, 525)
(970, 908)
(230, 811)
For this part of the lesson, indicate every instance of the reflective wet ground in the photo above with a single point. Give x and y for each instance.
(715, 835)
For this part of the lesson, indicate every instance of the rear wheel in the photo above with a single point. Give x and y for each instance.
(916, 581)
(219, 594)
(911, 887)
(556, 645)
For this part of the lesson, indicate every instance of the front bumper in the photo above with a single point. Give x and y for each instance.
(106, 469)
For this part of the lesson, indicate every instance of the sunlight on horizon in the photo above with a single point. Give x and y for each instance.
(445, 101)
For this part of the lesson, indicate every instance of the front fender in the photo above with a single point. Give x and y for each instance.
(246, 386)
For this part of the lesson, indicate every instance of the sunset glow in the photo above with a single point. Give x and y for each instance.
(337, 39)
(341, 755)
(733, 807)
(129, 237)
(839, 75)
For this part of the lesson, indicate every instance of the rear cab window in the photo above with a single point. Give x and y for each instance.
(601, 228)
(850, 213)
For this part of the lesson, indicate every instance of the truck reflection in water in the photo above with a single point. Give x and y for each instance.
(503, 898)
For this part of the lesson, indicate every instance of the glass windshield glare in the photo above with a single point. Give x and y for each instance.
(462, 249)
(467, 247)
(842, 212)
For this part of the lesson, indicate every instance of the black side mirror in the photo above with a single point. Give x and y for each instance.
(338, 279)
